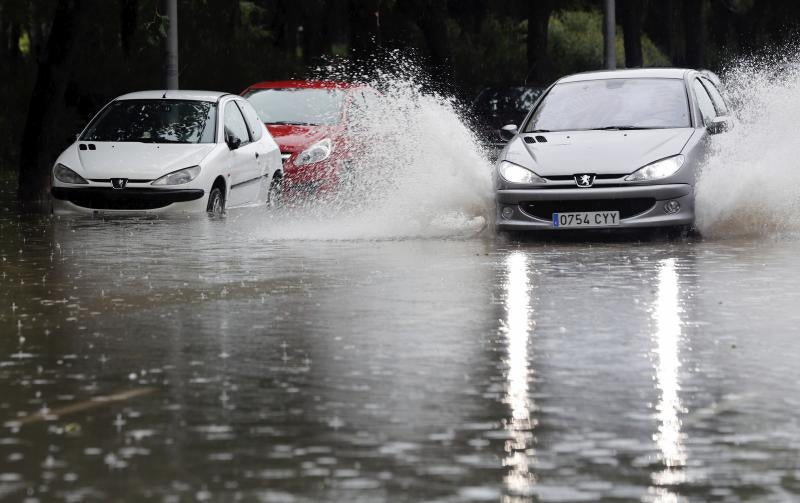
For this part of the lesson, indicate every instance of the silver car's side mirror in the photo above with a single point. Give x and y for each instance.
(720, 125)
(508, 132)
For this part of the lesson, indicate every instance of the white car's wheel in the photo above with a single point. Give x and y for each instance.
(216, 202)
(275, 194)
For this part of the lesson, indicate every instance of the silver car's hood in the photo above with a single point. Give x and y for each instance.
(599, 152)
(146, 161)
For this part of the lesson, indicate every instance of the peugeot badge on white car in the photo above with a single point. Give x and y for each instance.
(169, 151)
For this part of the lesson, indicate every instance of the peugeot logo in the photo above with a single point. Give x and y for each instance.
(586, 180)
(119, 183)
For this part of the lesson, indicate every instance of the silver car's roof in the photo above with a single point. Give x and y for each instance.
(653, 73)
(174, 95)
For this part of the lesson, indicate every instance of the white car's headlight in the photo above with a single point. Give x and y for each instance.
(659, 169)
(179, 177)
(66, 175)
(315, 153)
(517, 174)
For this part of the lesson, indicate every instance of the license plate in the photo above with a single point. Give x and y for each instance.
(583, 219)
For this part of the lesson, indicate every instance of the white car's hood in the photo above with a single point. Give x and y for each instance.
(599, 152)
(144, 161)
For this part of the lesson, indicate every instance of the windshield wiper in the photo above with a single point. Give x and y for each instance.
(292, 123)
(618, 128)
(539, 131)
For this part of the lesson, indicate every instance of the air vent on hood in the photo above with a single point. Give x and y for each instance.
(541, 139)
(530, 139)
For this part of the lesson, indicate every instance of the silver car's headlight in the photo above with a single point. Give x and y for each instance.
(315, 153)
(179, 177)
(517, 174)
(659, 169)
(66, 175)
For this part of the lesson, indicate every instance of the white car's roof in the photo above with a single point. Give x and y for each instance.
(653, 73)
(174, 95)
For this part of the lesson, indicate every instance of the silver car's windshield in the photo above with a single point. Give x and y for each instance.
(635, 103)
(154, 121)
(297, 105)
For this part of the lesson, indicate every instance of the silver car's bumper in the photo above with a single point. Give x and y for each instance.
(639, 206)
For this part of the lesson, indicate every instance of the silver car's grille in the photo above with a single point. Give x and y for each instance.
(571, 178)
(627, 208)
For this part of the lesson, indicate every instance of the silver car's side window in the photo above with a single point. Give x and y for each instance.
(716, 97)
(707, 109)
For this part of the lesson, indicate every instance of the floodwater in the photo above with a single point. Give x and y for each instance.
(397, 350)
(196, 360)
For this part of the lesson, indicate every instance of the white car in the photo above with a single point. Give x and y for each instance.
(169, 151)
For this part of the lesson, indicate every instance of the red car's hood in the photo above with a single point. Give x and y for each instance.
(293, 138)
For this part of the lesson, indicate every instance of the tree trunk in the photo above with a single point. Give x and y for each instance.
(539, 68)
(42, 137)
(128, 16)
(316, 36)
(632, 14)
(431, 17)
(364, 27)
(695, 36)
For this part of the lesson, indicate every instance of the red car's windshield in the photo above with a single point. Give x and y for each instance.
(297, 105)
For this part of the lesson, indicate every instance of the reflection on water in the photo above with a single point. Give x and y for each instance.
(670, 439)
(518, 328)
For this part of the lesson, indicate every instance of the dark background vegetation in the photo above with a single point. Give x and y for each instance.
(75, 55)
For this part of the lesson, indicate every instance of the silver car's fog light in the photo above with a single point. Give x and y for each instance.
(507, 212)
(672, 206)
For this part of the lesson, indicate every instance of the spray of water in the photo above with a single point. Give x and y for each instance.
(751, 184)
(418, 170)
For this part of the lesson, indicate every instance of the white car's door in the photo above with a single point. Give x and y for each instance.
(244, 170)
(267, 151)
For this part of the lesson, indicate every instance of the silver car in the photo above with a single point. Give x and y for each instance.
(609, 149)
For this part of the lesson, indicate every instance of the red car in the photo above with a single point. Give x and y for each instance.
(309, 121)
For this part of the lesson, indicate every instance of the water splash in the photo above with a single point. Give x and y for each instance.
(420, 171)
(750, 186)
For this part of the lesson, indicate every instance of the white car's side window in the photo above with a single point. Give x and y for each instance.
(235, 126)
(253, 121)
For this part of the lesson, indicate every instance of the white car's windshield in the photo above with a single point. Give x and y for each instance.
(155, 121)
(297, 105)
(636, 103)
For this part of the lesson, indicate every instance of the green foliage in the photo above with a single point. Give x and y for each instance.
(495, 55)
(156, 29)
(575, 43)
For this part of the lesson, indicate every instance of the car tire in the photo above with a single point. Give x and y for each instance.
(216, 202)
(275, 193)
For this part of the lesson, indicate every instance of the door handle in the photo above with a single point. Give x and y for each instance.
(256, 155)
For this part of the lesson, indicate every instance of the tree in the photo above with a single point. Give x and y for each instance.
(40, 138)
(539, 67)
(632, 12)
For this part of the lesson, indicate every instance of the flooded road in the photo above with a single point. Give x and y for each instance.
(198, 360)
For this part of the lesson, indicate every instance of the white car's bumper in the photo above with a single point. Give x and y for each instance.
(106, 200)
